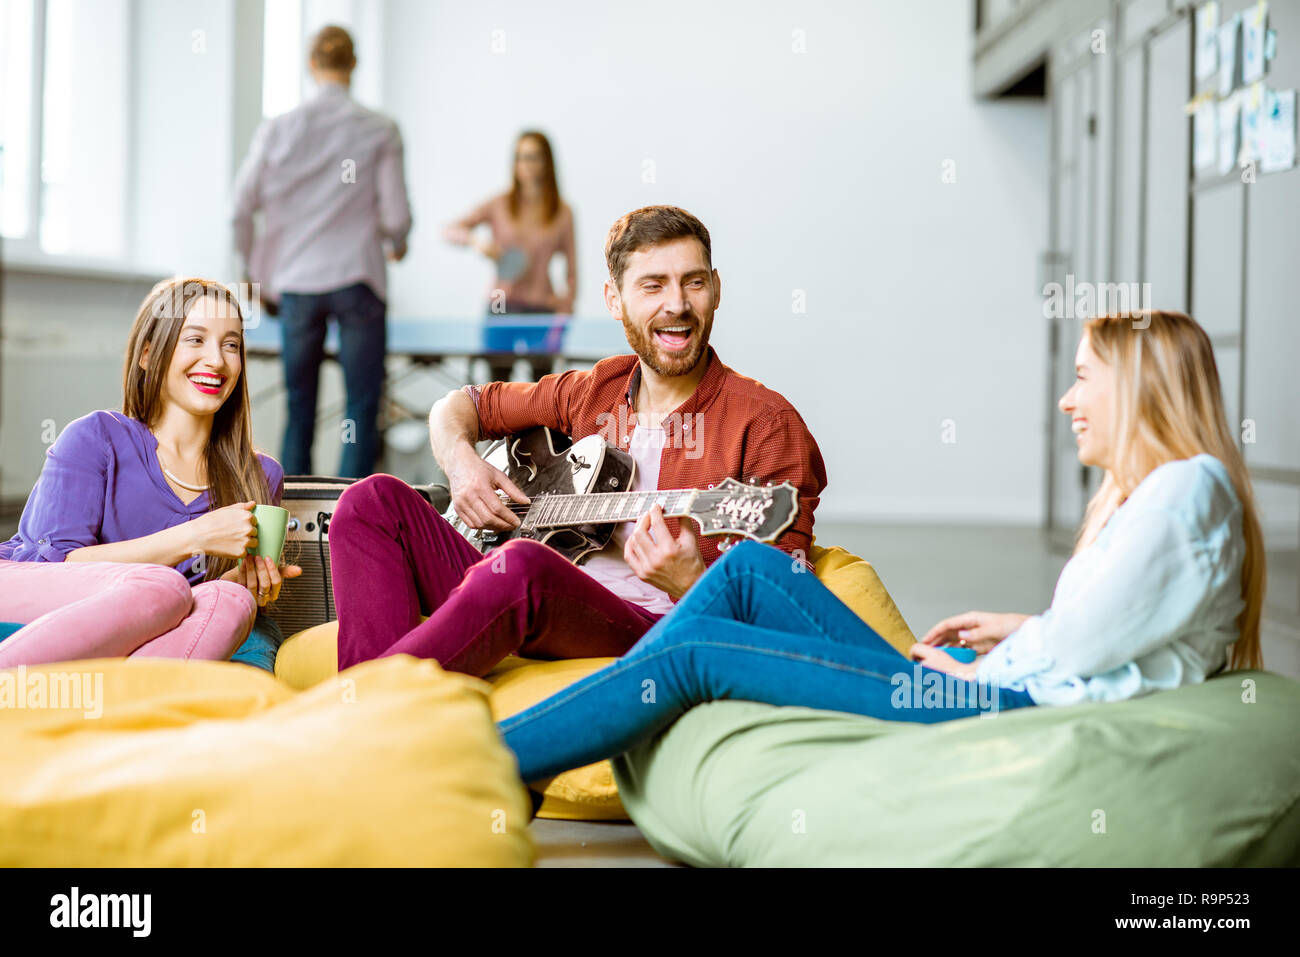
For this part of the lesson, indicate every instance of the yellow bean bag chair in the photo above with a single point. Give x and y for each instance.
(590, 793)
(162, 763)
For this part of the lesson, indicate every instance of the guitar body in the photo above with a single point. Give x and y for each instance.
(542, 461)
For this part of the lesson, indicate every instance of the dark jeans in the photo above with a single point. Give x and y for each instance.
(393, 559)
(757, 627)
(362, 328)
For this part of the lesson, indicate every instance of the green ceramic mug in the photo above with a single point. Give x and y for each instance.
(272, 522)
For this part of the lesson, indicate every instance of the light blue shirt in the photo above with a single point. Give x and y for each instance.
(1151, 604)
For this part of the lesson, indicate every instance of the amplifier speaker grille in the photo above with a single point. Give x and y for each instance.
(308, 600)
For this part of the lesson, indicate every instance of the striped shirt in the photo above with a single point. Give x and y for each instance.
(327, 178)
(731, 426)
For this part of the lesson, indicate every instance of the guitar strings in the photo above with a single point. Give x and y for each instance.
(519, 508)
(516, 507)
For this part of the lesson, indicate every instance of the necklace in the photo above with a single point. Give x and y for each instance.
(167, 472)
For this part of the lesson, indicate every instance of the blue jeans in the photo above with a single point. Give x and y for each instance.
(361, 316)
(758, 626)
(262, 644)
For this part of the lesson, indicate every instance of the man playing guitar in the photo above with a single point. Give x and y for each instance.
(688, 421)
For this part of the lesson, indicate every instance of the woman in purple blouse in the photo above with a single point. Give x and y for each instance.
(169, 481)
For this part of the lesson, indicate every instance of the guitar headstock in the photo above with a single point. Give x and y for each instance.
(760, 512)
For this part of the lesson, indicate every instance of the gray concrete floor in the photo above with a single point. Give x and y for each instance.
(933, 571)
(593, 844)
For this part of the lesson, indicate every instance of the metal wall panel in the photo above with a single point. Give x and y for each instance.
(1168, 146)
(1216, 259)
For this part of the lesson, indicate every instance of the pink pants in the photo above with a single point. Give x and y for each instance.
(77, 610)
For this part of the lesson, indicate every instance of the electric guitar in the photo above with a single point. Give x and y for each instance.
(579, 492)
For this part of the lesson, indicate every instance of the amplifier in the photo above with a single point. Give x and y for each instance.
(308, 600)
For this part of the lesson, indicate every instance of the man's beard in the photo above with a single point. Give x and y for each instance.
(647, 349)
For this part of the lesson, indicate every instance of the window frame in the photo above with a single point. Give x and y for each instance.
(25, 252)
(29, 241)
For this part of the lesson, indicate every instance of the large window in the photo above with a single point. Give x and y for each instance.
(87, 158)
(64, 126)
(288, 29)
(283, 51)
(17, 32)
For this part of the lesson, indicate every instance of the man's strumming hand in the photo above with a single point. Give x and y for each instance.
(670, 564)
(474, 484)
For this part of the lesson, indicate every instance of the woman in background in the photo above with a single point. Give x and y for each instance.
(170, 480)
(528, 225)
(1167, 575)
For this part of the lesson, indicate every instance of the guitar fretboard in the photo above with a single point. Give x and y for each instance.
(596, 507)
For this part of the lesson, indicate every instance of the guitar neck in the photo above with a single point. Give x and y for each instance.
(557, 511)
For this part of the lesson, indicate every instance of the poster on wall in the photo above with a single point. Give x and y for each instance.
(1228, 34)
(1205, 143)
(1252, 110)
(1207, 41)
(1254, 34)
(1252, 122)
(1227, 129)
(1277, 139)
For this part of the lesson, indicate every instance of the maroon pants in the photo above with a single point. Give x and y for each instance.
(393, 559)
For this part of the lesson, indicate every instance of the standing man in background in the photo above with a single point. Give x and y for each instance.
(328, 180)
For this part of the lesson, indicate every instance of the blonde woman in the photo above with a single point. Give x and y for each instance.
(1167, 582)
(171, 480)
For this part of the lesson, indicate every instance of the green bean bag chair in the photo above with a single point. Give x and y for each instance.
(1204, 775)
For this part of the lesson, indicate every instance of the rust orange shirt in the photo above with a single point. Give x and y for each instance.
(730, 426)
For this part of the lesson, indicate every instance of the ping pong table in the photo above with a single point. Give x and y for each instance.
(433, 341)
(425, 346)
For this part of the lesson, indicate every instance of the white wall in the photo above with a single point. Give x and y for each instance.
(817, 171)
(183, 162)
(63, 344)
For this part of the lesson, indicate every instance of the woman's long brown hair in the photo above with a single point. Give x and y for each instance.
(234, 472)
(1169, 406)
(550, 188)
